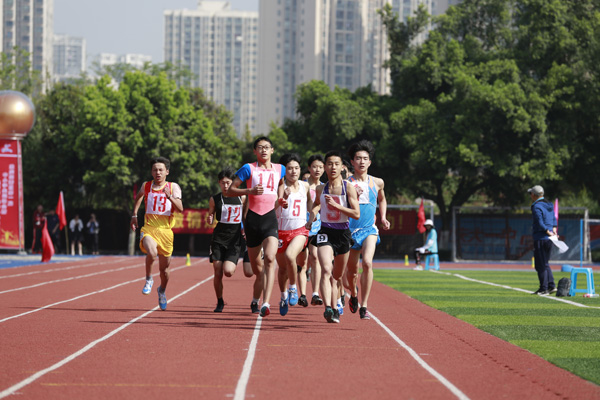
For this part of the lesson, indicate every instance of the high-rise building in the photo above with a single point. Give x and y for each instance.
(220, 47)
(135, 60)
(341, 42)
(69, 57)
(29, 25)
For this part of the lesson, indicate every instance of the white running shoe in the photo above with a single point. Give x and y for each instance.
(148, 286)
(418, 268)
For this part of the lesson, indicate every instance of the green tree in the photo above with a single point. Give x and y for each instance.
(16, 72)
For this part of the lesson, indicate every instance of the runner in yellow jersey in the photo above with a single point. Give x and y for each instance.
(161, 199)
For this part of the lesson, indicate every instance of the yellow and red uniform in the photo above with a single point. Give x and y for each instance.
(158, 219)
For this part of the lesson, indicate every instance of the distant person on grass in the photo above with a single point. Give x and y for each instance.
(226, 242)
(262, 180)
(544, 226)
(161, 199)
(430, 246)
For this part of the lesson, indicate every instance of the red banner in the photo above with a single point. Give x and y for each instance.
(11, 196)
(402, 222)
(193, 220)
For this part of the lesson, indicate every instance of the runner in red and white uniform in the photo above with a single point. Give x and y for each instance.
(161, 198)
(291, 209)
(336, 201)
(262, 179)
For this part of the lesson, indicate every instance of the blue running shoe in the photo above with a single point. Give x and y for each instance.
(162, 299)
(340, 308)
(293, 297)
(148, 286)
(283, 307)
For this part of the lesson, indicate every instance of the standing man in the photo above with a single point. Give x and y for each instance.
(262, 180)
(161, 198)
(544, 226)
(364, 232)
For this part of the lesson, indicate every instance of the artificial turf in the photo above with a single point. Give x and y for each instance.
(564, 334)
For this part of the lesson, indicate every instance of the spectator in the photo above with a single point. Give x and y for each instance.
(53, 229)
(76, 228)
(39, 219)
(93, 228)
(430, 246)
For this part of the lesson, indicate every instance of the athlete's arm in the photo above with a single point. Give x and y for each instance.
(354, 210)
(138, 202)
(235, 191)
(175, 196)
(211, 211)
(381, 200)
(316, 206)
(309, 202)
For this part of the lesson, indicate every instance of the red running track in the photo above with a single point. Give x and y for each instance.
(99, 338)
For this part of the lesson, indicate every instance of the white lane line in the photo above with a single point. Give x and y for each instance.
(573, 303)
(69, 279)
(240, 389)
(460, 395)
(11, 390)
(45, 271)
(84, 295)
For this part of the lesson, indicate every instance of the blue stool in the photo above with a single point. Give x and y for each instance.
(435, 261)
(590, 281)
(566, 268)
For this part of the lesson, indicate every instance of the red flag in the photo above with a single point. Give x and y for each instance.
(47, 246)
(60, 211)
(421, 218)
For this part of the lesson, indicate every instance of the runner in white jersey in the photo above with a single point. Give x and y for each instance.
(291, 209)
(336, 201)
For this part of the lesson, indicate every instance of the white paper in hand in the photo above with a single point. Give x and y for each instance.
(560, 245)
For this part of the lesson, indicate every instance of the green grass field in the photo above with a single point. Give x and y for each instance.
(564, 334)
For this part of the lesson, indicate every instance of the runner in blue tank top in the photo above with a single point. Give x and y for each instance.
(364, 232)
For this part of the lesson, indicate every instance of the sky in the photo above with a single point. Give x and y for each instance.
(123, 26)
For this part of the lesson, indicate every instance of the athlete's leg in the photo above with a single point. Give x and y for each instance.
(301, 262)
(366, 278)
(163, 266)
(315, 268)
(291, 253)
(247, 266)
(282, 274)
(229, 268)
(270, 251)
(352, 272)
(339, 266)
(256, 262)
(325, 254)
(151, 253)
(218, 279)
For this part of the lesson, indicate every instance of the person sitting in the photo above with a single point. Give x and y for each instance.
(430, 246)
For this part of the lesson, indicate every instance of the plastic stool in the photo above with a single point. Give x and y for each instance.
(566, 268)
(435, 261)
(590, 281)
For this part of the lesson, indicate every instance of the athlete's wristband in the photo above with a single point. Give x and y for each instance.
(134, 216)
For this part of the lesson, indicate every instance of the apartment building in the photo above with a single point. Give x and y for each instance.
(69, 57)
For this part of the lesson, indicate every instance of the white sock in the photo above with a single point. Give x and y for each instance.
(255, 300)
(315, 294)
(292, 287)
(284, 295)
(266, 305)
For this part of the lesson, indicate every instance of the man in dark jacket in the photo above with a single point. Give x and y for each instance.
(544, 226)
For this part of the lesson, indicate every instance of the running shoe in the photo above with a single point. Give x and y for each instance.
(283, 307)
(353, 303)
(302, 301)
(316, 300)
(336, 317)
(293, 297)
(364, 313)
(418, 268)
(162, 299)
(148, 286)
(220, 305)
(340, 308)
(264, 311)
(553, 290)
(254, 307)
(328, 314)
(540, 290)
(543, 293)
(343, 299)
